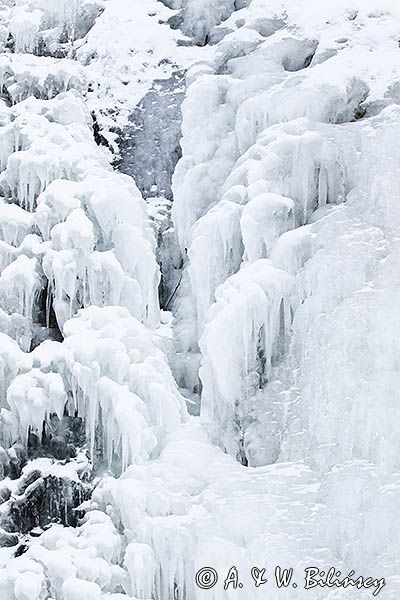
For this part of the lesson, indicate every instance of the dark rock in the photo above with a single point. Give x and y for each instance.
(21, 550)
(7, 540)
(47, 500)
(5, 494)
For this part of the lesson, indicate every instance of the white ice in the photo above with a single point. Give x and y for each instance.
(285, 320)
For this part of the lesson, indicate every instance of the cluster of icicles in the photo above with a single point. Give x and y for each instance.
(74, 234)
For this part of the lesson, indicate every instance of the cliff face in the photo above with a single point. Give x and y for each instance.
(199, 296)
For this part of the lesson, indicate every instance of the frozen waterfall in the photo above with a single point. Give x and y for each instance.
(199, 291)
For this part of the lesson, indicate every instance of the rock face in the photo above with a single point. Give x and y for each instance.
(199, 332)
(150, 144)
(38, 498)
(47, 500)
(149, 149)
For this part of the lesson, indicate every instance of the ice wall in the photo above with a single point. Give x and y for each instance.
(277, 130)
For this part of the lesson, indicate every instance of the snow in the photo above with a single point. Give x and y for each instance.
(39, 154)
(281, 265)
(43, 24)
(200, 17)
(15, 223)
(34, 395)
(25, 75)
(130, 47)
(116, 376)
(19, 286)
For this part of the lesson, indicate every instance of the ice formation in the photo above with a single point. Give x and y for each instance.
(50, 26)
(263, 138)
(198, 17)
(25, 75)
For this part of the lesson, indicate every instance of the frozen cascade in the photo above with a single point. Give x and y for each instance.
(82, 235)
(149, 149)
(258, 299)
(284, 296)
